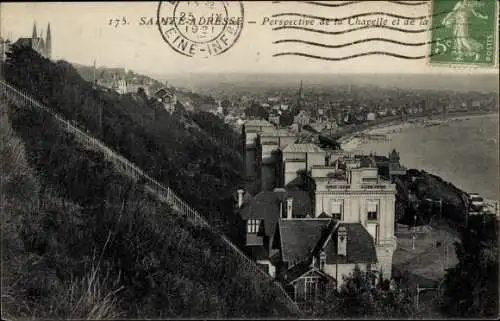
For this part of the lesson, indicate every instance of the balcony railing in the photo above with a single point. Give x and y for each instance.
(378, 186)
(338, 186)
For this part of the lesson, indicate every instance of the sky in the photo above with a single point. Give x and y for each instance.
(81, 33)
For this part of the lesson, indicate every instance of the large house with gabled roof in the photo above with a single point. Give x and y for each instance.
(329, 211)
(317, 253)
(167, 97)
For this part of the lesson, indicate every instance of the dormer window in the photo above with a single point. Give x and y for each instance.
(253, 226)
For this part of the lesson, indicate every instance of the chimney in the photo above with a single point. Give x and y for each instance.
(342, 241)
(240, 197)
(289, 207)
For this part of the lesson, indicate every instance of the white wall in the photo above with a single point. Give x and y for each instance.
(267, 151)
(355, 207)
(272, 268)
(291, 169)
(315, 159)
(298, 155)
(322, 171)
(250, 138)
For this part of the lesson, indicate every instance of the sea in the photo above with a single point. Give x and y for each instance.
(463, 151)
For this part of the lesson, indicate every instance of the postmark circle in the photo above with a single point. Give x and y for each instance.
(200, 28)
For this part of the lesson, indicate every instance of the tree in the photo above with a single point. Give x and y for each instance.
(471, 287)
(226, 105)
(286, 118)
(142, 93)
(357, 298)
(256, 110)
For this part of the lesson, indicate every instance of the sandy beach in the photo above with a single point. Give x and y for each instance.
(351, 143)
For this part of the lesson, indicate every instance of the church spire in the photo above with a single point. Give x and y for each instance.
(34, 31)
(300, 96)
(48, 42)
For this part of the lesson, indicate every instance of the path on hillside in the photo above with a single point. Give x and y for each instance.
(9, 93)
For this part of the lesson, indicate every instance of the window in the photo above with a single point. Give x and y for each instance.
(253, 226)
(322, 260)
(372, 210)
(311, 285)
(337, 210)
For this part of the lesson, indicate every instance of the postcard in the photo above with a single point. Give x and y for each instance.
(249, 159)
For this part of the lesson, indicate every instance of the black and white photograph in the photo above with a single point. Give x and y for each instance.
(254, 160)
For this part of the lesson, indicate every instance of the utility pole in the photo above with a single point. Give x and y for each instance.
(446, 253)
(417, 297)
(100, 120)
(331, 118)
(440, 209)
(414, 234)
(94, 82)
(466, 202)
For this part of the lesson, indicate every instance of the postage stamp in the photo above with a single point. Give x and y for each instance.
(464, 32)
(200, 28)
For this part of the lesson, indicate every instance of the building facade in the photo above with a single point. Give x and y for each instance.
(330, 211)
(167, 98)
(38, 43)
(5, 45)
(350, 193)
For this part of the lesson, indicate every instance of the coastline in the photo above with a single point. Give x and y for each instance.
(352, 141)
(355, 142)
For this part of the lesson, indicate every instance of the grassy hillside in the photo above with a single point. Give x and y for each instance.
(82, 241)
(428, 186)
(174, 149)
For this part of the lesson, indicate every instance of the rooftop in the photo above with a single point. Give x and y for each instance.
(302, 238)
(27, 42)
(266, 206)
(164, 92)
(299, 237)
(360, 246)
(276, 132)
(258, 122)
(302, 148)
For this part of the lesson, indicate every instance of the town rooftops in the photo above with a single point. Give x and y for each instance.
(258, 123)
(302, 148)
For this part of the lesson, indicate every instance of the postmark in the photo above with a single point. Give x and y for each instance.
(200, 28)
(466, 34)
